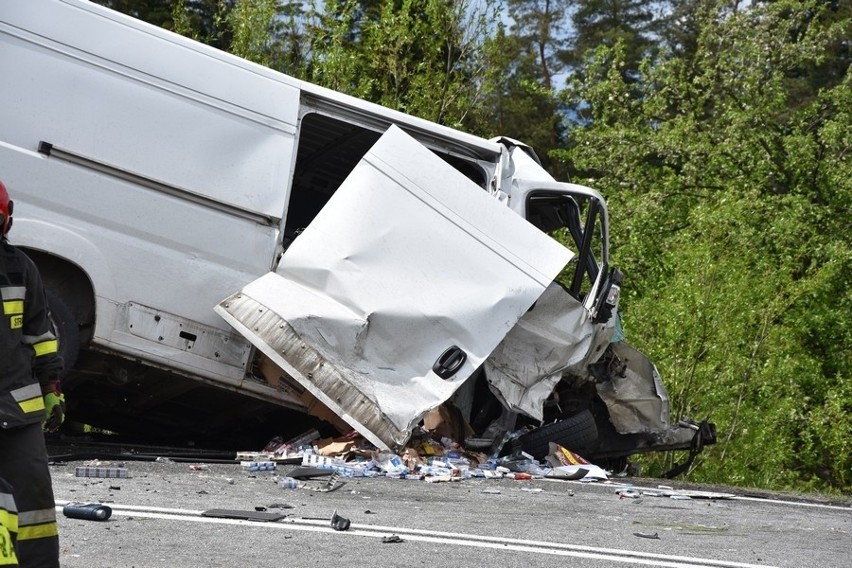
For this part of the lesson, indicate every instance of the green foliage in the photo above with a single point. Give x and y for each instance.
(422, 57)
(268, 32)
(608, 22)
(538, 27)
(521, 70)
(251, 22)
(724, 155)
(730, 181)
(157, 12)
(181, 22)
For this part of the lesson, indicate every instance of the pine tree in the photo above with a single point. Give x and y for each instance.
(525, 72)
(606, 22)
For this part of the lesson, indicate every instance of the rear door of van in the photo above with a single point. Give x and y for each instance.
(397, 291)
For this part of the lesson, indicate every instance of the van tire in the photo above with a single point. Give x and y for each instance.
(67, 330)
(577, 433)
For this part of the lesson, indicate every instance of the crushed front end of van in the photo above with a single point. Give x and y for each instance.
(414, 288)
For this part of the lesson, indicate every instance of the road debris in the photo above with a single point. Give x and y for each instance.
(339, 523)
(258, 465)
(87, 511)
(289, 483)
(243, 515)
(333, 484)
(105, 472)
(428, 457)
(628, 493)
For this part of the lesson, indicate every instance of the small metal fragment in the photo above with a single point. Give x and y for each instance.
(339, 523)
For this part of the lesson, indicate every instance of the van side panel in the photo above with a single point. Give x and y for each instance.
(148, 102)
(214, 136)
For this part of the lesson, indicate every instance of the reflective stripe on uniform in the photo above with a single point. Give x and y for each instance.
(9, 520)
(29, 398)
(13, 307)
(7, 502)
(40, 523)
(32, 405)
(13, 299)
(13, 292)
(7, 559)
(7, 551)
(33, 339)
(8, 529)
(46, 347)
(37, 517)
(44, 344)
(32, 532)
(27, 392)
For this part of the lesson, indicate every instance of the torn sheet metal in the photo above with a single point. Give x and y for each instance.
(407, 259)
(556, 336)
(635, 395)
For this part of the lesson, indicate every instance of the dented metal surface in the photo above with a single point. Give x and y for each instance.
(556, 336)
(409, 260)
(328, 383)
(406, 260)
(634, 393)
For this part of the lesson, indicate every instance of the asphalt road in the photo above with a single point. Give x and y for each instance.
(157, 522)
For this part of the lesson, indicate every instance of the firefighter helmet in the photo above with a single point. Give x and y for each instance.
(6, 206)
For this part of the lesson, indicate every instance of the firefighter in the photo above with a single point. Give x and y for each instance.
(30, 399)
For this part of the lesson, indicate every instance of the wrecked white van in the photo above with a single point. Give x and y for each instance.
(412, 281)
(228, 248)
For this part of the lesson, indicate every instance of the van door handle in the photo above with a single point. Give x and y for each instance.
(449, 362)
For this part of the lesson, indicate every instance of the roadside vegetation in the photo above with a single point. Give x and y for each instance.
(720, 133)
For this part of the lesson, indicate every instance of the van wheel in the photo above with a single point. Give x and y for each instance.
(577, 433)
(67, 330)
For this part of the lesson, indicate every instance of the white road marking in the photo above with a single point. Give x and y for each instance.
(610, 487)
(422, 535)
(794, 503)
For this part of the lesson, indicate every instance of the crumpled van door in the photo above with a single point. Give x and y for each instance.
(397, 291)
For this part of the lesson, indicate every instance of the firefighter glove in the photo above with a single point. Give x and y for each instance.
(54, 406)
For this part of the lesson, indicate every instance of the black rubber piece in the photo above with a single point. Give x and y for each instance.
(244, 515)
(67, 330)
(307, 472)
(578, 432)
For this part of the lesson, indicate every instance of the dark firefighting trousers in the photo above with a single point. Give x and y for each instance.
(23, 465)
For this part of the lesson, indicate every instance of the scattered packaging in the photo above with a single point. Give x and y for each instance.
(85, 471)
(441, 478)
(253, 456)
(334, 446)
(390, 463)
(432, 455)
(336, 465)
(288, 483)
(258, 465)
(444, 422)
(568, 464)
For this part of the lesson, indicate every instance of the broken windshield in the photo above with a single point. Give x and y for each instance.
(575, 221)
